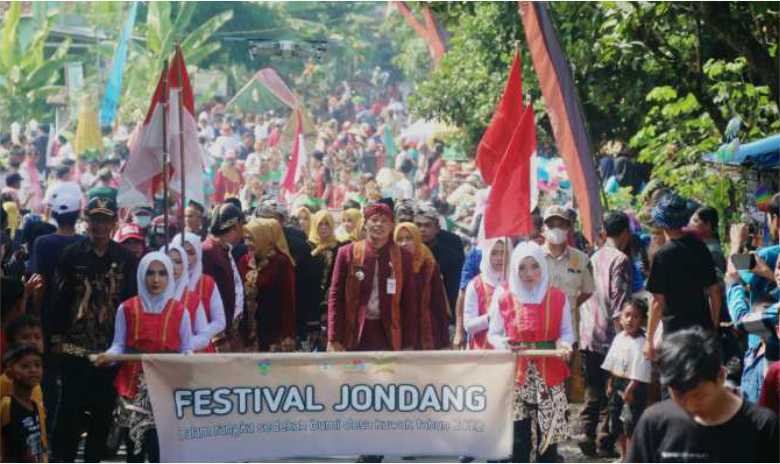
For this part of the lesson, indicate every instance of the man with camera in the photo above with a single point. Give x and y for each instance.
(750, 278)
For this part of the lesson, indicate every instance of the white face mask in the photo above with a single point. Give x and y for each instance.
(556, 236)
(142, 220)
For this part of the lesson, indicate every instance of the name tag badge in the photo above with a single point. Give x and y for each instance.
(391, 286)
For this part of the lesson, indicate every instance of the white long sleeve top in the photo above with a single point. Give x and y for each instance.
(473, 323)
(216, 313)
(497, 333)
(118, 346)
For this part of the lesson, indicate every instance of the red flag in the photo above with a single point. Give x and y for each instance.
(508, 207)
(297, 156)
(496, 138)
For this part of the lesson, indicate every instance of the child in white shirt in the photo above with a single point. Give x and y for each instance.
(630, 372)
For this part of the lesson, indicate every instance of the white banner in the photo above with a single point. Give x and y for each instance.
(247, 407)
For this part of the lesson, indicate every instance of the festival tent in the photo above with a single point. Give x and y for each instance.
(761, 154)
(265, 91)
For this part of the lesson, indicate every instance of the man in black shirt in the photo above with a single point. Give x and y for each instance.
(703, 421)
(446, 247)
(682, 277)
(93, 277)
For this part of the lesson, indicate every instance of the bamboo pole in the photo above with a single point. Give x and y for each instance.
(165, 96)
(399, 354)
(181, 145)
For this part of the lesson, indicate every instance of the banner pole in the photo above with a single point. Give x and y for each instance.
(182, 168)
(139, 357)
(165, 151)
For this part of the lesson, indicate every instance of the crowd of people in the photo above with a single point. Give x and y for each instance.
(379, 249)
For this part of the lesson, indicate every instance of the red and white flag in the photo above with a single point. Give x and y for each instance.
(297, 162)
(192, 157)
(142, 174)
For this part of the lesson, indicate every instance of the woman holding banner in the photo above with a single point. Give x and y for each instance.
(433, 308)
(203, 291)
(480, 290)
(269, 284)
(528, 313)
(152, 322)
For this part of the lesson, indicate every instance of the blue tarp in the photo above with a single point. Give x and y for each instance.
(761, 154)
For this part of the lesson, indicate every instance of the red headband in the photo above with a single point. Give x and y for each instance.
(378, 208)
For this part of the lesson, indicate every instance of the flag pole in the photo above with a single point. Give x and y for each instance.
(165, 151)
(181, 141)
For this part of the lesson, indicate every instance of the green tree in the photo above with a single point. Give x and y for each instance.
(665, 76)
(27, 74)
(166, 24)
(678, 130)
(618, 52)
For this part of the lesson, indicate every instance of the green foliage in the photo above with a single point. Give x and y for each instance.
(665, 76)
(622, 200)
(618, 52)
(164, 26)
(677, 132)
(27, 76)
(464, 88)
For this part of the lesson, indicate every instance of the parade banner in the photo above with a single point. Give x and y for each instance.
(248, 407)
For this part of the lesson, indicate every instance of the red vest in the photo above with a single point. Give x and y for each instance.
(205, 289)
(484, 295)
(532, 323)
(201, 294)
(147, 333)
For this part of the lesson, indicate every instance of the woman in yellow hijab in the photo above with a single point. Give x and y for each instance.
(351, 228)
(322, 238)
(269, 286)
(322, 235)
(13, 217)
(432, 299)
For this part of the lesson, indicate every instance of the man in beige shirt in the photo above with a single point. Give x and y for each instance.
(570, 272)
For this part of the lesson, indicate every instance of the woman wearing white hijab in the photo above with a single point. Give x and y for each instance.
(152, 322)
(528, 313)
(479, 292)
(204, 290)
(191, 301)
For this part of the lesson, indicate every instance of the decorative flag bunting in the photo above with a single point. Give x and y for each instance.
(114, 85)
(430, 32)
(565, 113)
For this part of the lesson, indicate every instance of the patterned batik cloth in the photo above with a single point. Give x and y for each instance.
(546, 406)
(136, 414)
